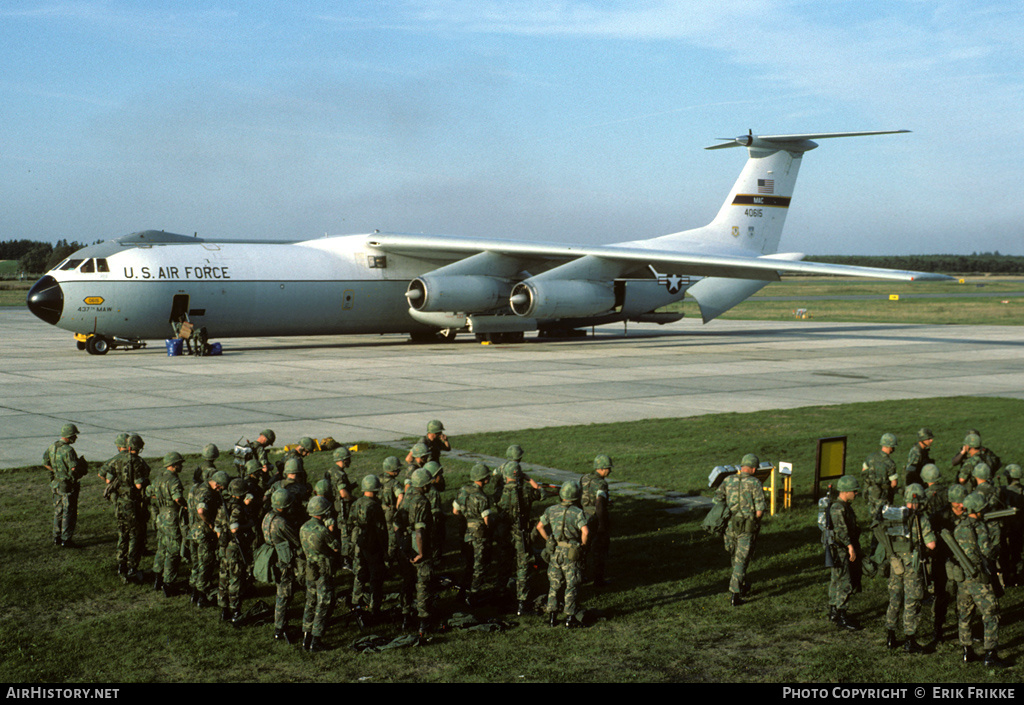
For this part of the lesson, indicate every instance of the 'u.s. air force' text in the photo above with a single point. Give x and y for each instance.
(204, 272)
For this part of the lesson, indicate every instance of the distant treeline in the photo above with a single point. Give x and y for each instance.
(37, 257)
(976, 263)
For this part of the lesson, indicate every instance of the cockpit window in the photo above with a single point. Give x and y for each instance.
(88, 267)
(71, 264)
(101, 265)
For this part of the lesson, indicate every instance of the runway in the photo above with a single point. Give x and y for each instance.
(381, 388)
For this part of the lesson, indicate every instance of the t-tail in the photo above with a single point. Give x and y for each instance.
(751, 218)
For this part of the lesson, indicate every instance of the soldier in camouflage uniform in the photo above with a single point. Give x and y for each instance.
(127, 485)
(474, 506)
(121, 443)
(975, 582)
(435, 441)
(369, 541)
(1012, 496)
(744, 495)
(564, 528)
(342, 499)
(918, 457)
(420, 457)
(281, 533)
(512, 533)
(910, 537)
(974, 453)
(391, 491)
(596, 503)
(937, 509)
(235, 527)
(414, 522)
(434, 489)
(208, 501)
(319, 548)
(879, 476)
(172, 508)
(66, 470)
(846, 553)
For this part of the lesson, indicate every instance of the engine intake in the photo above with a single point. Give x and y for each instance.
(462, 293)
(561, 298)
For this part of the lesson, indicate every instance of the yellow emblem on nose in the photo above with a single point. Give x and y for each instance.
(93, 300)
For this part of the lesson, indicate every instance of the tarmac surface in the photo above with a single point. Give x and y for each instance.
(383, 388)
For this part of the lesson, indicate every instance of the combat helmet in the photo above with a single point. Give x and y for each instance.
(913, 494)
(68, 430)
(341, 453)
(570, 491)
(316, 507)
(269, 435)
(172, 458)
(974, 503)
(514, 452)
(750, 461)
(370, 483)
(323, 487)
(889, 440)
(281, 499)
(848, 483)
(1014, 471)
(956, 494)
(293, 466)
(211, 452)
(435, 426)
(237, 487)
(220, 478)
(479, 472)
(136, 443)
(931, 473)
(973, 440)
(420, 478)
(925, 434)
(122, 440)
(982, 471)
(602, 461)
(420, 450)
(391, 464)
(307, 444)
(433, 467)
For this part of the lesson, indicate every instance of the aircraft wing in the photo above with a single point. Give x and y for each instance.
(763, 268)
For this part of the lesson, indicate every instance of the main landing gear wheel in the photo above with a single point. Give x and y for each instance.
(97, 345)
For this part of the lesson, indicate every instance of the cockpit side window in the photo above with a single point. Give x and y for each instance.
(89, 267)
(70, 264)
(101, 265)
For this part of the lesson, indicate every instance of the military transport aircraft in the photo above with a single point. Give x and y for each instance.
(126, 290)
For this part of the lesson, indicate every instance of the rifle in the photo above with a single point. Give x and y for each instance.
(883, 538)
(828, 530)
(970, 570)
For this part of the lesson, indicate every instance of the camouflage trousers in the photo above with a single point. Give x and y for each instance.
(204, 561)
(513, 554)
(906, 592)
(840, 586)
(319, 599)
(475, 560)
(285, 590)
(368, 583)
(232, 576)
(565, 573)
(65, 514)
(416, 593)
(740, 546)
(597, 555)
(167, 561)
(131, 537)
(972, 595)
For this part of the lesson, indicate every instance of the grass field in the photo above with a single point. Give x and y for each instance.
(665, 617)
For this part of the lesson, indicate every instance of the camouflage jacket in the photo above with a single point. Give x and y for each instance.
(126, 473)
(564, 523)
(917, 458)
(973, 538)
(282, 535)
(209, 501)
(473, 504)
(317, 544)
(744, 495)
(170, 494)
(592, 488)
(878, 471)
(845, 530)
(369, 528)
(65, 468)
(414, 519)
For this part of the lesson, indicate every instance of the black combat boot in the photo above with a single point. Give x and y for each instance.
(158, 582)
(911, 646)
(307, 639)
(225, 614)
(522, 608)
(845, 621)
(315, 645)
(572, 623)
(282, 635)
(833, 614)
(736, 600)
(552, 619)
(968, 655)
(891, 642)
(992, 660)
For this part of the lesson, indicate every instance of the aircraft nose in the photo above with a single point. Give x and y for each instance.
(46, 300)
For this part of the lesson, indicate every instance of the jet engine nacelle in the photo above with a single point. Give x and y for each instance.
(561, 298)
(462, 293)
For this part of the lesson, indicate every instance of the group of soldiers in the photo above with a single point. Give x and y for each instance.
(936, 539)
(269, 523)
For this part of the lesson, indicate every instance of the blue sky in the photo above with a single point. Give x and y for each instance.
(573, 121)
